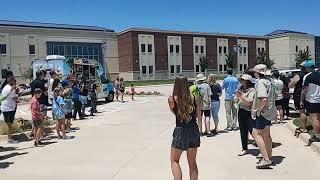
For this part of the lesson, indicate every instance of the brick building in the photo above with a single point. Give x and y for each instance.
(146, 54)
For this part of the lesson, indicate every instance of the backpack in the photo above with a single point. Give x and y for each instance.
(194, 90)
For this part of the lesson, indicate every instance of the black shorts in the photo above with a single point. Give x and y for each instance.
(69, 115)
(37, 123)
(279, 102)
(185, 138)
(260, 123)
(206, 113)
(9, 116)
(312, 107)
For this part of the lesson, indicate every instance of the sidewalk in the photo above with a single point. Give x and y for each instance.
(304, 137)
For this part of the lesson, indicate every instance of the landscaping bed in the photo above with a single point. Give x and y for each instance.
(21, 125)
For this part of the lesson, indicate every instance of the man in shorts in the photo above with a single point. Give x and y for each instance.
(310, 97)
(296, 83)
(263, 112)
(205, 104)
(9, 106)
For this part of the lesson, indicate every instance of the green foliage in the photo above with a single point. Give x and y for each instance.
(203, 63)
(263, 58)
(231, 60)
(301, 56)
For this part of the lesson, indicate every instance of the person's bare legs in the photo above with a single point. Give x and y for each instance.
(316, 123)
(9, 131)
(207, 124)
(175, 166)
(121, 94)
(37, 134)
(117, 96)
(200, 124)
(192, 161)
(303, 119)
(58, 128)
(63, 127)
(257, 135)
(280, 113)
(268, 141)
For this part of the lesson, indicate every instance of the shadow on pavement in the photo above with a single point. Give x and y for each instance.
(4, 149)
(22, 137)
(276, 144)
(12, 155)
(254, 152)
(277, 160)
(4, 165)
(222, 132)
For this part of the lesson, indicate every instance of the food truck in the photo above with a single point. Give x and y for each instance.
(87, 69)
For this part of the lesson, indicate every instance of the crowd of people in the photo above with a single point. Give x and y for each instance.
(253, 103)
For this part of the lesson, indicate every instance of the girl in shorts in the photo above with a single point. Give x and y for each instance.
(59, 113)
(68, 107)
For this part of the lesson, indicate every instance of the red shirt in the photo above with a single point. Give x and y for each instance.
(35, 107)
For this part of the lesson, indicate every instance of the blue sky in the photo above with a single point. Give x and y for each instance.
(228, 16)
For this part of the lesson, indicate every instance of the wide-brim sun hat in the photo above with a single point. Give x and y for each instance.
(261, 69)
(201, 77)
(246, 77)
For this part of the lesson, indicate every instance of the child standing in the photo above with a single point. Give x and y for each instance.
(132, 91)
(121, 89)
(37, 116)
(59, 114)
(68, 107)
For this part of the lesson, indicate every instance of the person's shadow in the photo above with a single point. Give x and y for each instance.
(277, 160)
(12, 155)
(4, 165)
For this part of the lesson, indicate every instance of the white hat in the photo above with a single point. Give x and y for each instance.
(201, 77)
(261, 69)
(246, 77)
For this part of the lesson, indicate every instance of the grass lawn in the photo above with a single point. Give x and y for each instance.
(149, 82)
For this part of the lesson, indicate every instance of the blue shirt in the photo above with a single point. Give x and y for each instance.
(75, 93)
(231, 85)
(58, 103)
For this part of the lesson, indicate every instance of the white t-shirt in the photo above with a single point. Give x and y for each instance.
(10, 103)
(50, 92)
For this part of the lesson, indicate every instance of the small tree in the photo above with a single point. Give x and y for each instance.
(203, 63)
(263, 58)
(301, 56)
(231, 60)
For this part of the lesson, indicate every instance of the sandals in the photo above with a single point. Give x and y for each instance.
(298, 131)
(243, 152)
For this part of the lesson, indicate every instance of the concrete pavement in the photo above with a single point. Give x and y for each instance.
(132, 141)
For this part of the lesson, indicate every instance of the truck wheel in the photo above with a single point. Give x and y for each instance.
(110, 97)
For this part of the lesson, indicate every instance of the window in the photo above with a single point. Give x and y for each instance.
(225, 67)
(172, 69)
(143, 48)
(262, 49)
(245, 50)
(178, 69)
(149, 47)
(259, 50)
(144, 69)
(177, 49)
(225, 49)
(3, 49)
(220, 49)
(201, 49)
(171, 48)
(297, 48)
(61, 50)
(240, 67)
(240, 50)
(197, 68)
(32, 49)
(197, 49)
(245, 66)
(220, 67)
(150, 69)
(307, 48)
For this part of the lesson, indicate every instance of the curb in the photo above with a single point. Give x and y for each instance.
(154, 85)
(304, 137)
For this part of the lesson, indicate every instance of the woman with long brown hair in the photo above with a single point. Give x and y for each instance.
(186, 135)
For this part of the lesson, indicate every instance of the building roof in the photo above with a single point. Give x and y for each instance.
(151, 30)
(52, 26)
(281, 33)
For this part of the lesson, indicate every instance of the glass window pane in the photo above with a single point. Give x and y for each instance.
(3, 49)
(95, 50)
(68, 50)
(55, 50)
(245, 50)
(178, 69)
(32, 49)
(225, 49)
(197, 49)
(149, 47)
(202, 49)
(144, 69)
(74, 51)
(172, 69)
(220, 67)
(150, 69)
(143, 48)
(240, 67)
(85, 50)
(220, 49)
(61, 50)
(225, 67)
(245, 67)
(197, 68)
(90, 50)
(262, 49)
(171, 48)
(80, 52)
(177, 49)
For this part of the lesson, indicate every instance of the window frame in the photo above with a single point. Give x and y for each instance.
(3, 47)
(172, 69)
(201, 49)
(220, 50)
(244, 50)
(150, 68)
(143, 48)
(143, 70)
(297, 48)
(178, 69)
(196, 49)
(171, 47)
(150, 47)
(197, 68)
(178, 49)
(225, 49)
